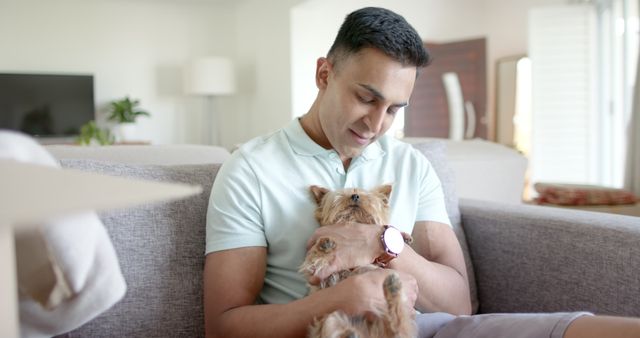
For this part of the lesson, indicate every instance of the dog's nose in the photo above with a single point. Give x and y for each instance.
(355, 197)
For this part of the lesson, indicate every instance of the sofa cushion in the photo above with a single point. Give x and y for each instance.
(540, 259)
(435, 152)
(477, 175)
(161, 252)
(164, 154)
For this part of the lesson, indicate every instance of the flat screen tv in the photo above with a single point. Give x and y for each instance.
(46, 105)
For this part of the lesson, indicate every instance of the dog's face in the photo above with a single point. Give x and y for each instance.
(352, 205)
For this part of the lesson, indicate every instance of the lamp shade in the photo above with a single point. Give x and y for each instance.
(210, 76)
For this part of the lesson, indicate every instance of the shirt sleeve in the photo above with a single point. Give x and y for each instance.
(431, 202)
(234, 213)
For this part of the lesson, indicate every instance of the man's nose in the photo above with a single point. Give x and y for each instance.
(374, 121)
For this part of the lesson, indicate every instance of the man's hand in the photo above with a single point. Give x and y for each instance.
(356, 245)
(363, 294)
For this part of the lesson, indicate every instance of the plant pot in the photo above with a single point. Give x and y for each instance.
(125, 132)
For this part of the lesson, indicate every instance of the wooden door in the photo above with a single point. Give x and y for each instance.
(428, 112)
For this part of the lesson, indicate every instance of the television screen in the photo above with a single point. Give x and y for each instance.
(46, 105)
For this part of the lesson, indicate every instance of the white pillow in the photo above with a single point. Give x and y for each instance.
(68, 271)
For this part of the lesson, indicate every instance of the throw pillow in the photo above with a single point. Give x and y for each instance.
(574, 194)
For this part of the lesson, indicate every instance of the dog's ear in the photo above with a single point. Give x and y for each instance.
(318, 193)
(384, 190)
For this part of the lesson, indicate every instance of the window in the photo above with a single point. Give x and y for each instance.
(584, 59)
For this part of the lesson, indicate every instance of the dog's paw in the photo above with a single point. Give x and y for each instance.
(392, 285)
(349, 334)
(335, 325)
(326, 245)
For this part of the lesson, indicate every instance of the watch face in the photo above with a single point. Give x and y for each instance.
(393, 240)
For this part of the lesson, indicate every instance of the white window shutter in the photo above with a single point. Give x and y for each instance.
(562, 41)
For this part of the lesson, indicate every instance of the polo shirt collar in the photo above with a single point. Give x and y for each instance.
(303, 145)
(300, 142)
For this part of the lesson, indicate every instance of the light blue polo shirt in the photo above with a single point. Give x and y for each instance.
(261, 197)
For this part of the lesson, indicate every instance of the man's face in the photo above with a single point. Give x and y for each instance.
(360, 98)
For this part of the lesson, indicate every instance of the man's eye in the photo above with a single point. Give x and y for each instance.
(392, 110)
(364, 99)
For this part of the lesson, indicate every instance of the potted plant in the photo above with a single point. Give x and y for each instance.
(91, 135)
(124, 113)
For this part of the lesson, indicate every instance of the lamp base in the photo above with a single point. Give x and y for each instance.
(212, 126)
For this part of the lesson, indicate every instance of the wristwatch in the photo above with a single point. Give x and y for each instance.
(392, 242)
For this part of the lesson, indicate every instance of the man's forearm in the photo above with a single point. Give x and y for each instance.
(442, 288)
(271, 320)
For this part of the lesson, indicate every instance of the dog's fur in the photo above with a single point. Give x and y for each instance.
(369, 207)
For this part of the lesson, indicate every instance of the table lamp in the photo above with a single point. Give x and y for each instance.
(209, 77)
(33, 194)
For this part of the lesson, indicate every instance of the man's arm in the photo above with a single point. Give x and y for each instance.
(436, 261)
(233, 279)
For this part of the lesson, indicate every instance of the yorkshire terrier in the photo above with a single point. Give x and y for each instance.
(360, 206)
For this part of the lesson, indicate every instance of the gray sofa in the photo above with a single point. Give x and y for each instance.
(520, 258)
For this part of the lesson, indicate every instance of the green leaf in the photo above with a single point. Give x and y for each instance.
(90, 131)
(125, 110)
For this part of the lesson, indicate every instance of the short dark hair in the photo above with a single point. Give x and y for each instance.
(381, 29)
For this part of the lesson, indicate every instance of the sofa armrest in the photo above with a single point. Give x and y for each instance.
(540, 259)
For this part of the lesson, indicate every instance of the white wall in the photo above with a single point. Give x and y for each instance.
(135, 48)
(262, 54)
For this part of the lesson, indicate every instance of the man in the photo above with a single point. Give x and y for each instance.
(260, 219)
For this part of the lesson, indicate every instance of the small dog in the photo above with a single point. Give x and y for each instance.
(369, 207)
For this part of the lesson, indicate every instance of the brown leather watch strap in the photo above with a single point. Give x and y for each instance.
(384, 259)
(388, 255)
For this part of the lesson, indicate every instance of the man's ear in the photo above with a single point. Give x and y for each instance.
(385, 190)
(318, 193)
(323, 67)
